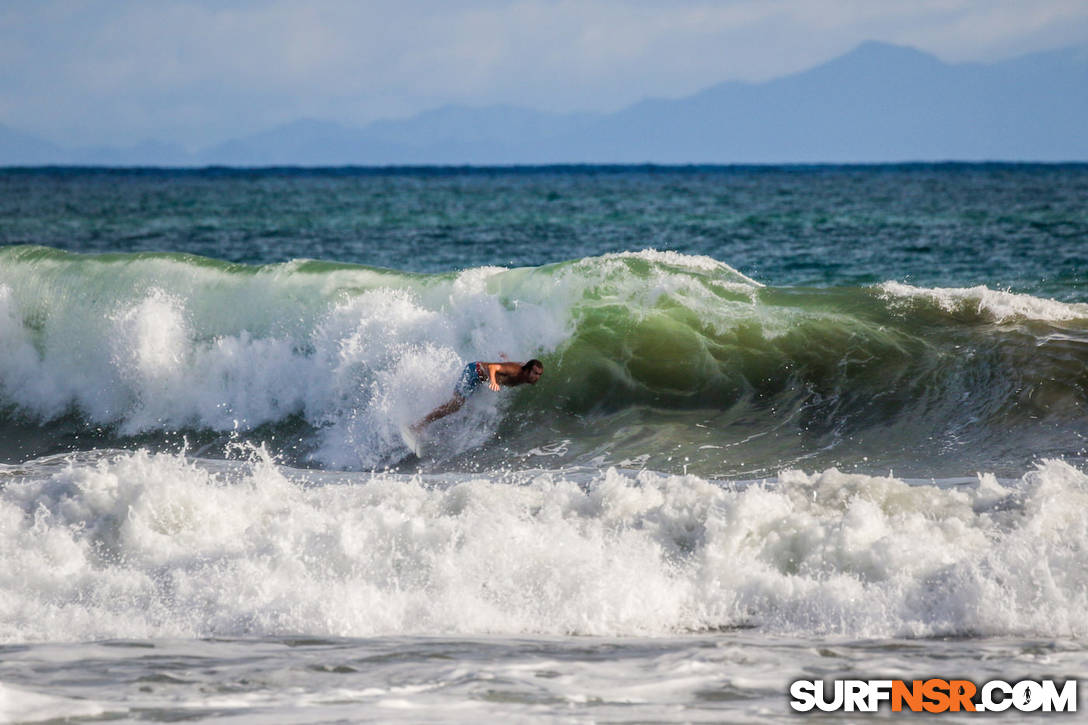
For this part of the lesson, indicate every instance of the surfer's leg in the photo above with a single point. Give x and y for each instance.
(441, 412)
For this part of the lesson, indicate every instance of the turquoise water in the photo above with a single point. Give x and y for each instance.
(794, 423)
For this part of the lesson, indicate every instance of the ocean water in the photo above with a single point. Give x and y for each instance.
(795, 423)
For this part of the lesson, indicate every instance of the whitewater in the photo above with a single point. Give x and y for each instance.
(149, 546)
(728, 478)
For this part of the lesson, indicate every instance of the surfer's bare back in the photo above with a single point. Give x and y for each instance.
(496, 374)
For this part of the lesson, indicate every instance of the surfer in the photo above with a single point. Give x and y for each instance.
(496, 374)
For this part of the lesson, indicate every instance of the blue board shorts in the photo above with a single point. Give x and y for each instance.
(469, 381)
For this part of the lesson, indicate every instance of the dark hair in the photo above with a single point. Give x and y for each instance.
(534, 363)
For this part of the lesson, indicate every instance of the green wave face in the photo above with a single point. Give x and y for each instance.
(652, 359)
(704, 370)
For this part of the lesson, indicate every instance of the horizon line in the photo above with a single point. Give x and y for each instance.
(585, 166)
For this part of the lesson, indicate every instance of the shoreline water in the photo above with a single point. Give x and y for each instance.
(742, 677)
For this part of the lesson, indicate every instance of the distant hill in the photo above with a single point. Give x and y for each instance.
(23, 149)
(877, 103)
(448, 135)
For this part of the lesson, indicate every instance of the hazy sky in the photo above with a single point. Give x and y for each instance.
(200, 71)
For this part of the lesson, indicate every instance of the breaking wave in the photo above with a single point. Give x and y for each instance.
(653, 357)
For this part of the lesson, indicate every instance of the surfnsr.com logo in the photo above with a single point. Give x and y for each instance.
(934, 695)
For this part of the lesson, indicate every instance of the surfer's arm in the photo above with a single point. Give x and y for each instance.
(494, 369)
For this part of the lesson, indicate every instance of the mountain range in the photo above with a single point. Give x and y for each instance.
(877, 103)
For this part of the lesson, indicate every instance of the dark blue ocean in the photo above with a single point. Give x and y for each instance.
(1018, 227)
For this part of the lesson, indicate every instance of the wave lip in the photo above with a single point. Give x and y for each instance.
(136, 545)
(993, 305)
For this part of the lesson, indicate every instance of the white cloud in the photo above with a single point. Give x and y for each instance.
(94, 70)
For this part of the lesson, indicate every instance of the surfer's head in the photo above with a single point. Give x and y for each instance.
(531, 371)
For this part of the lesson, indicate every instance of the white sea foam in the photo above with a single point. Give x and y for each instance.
(151, 546)
(18, 705)
(997, 305)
